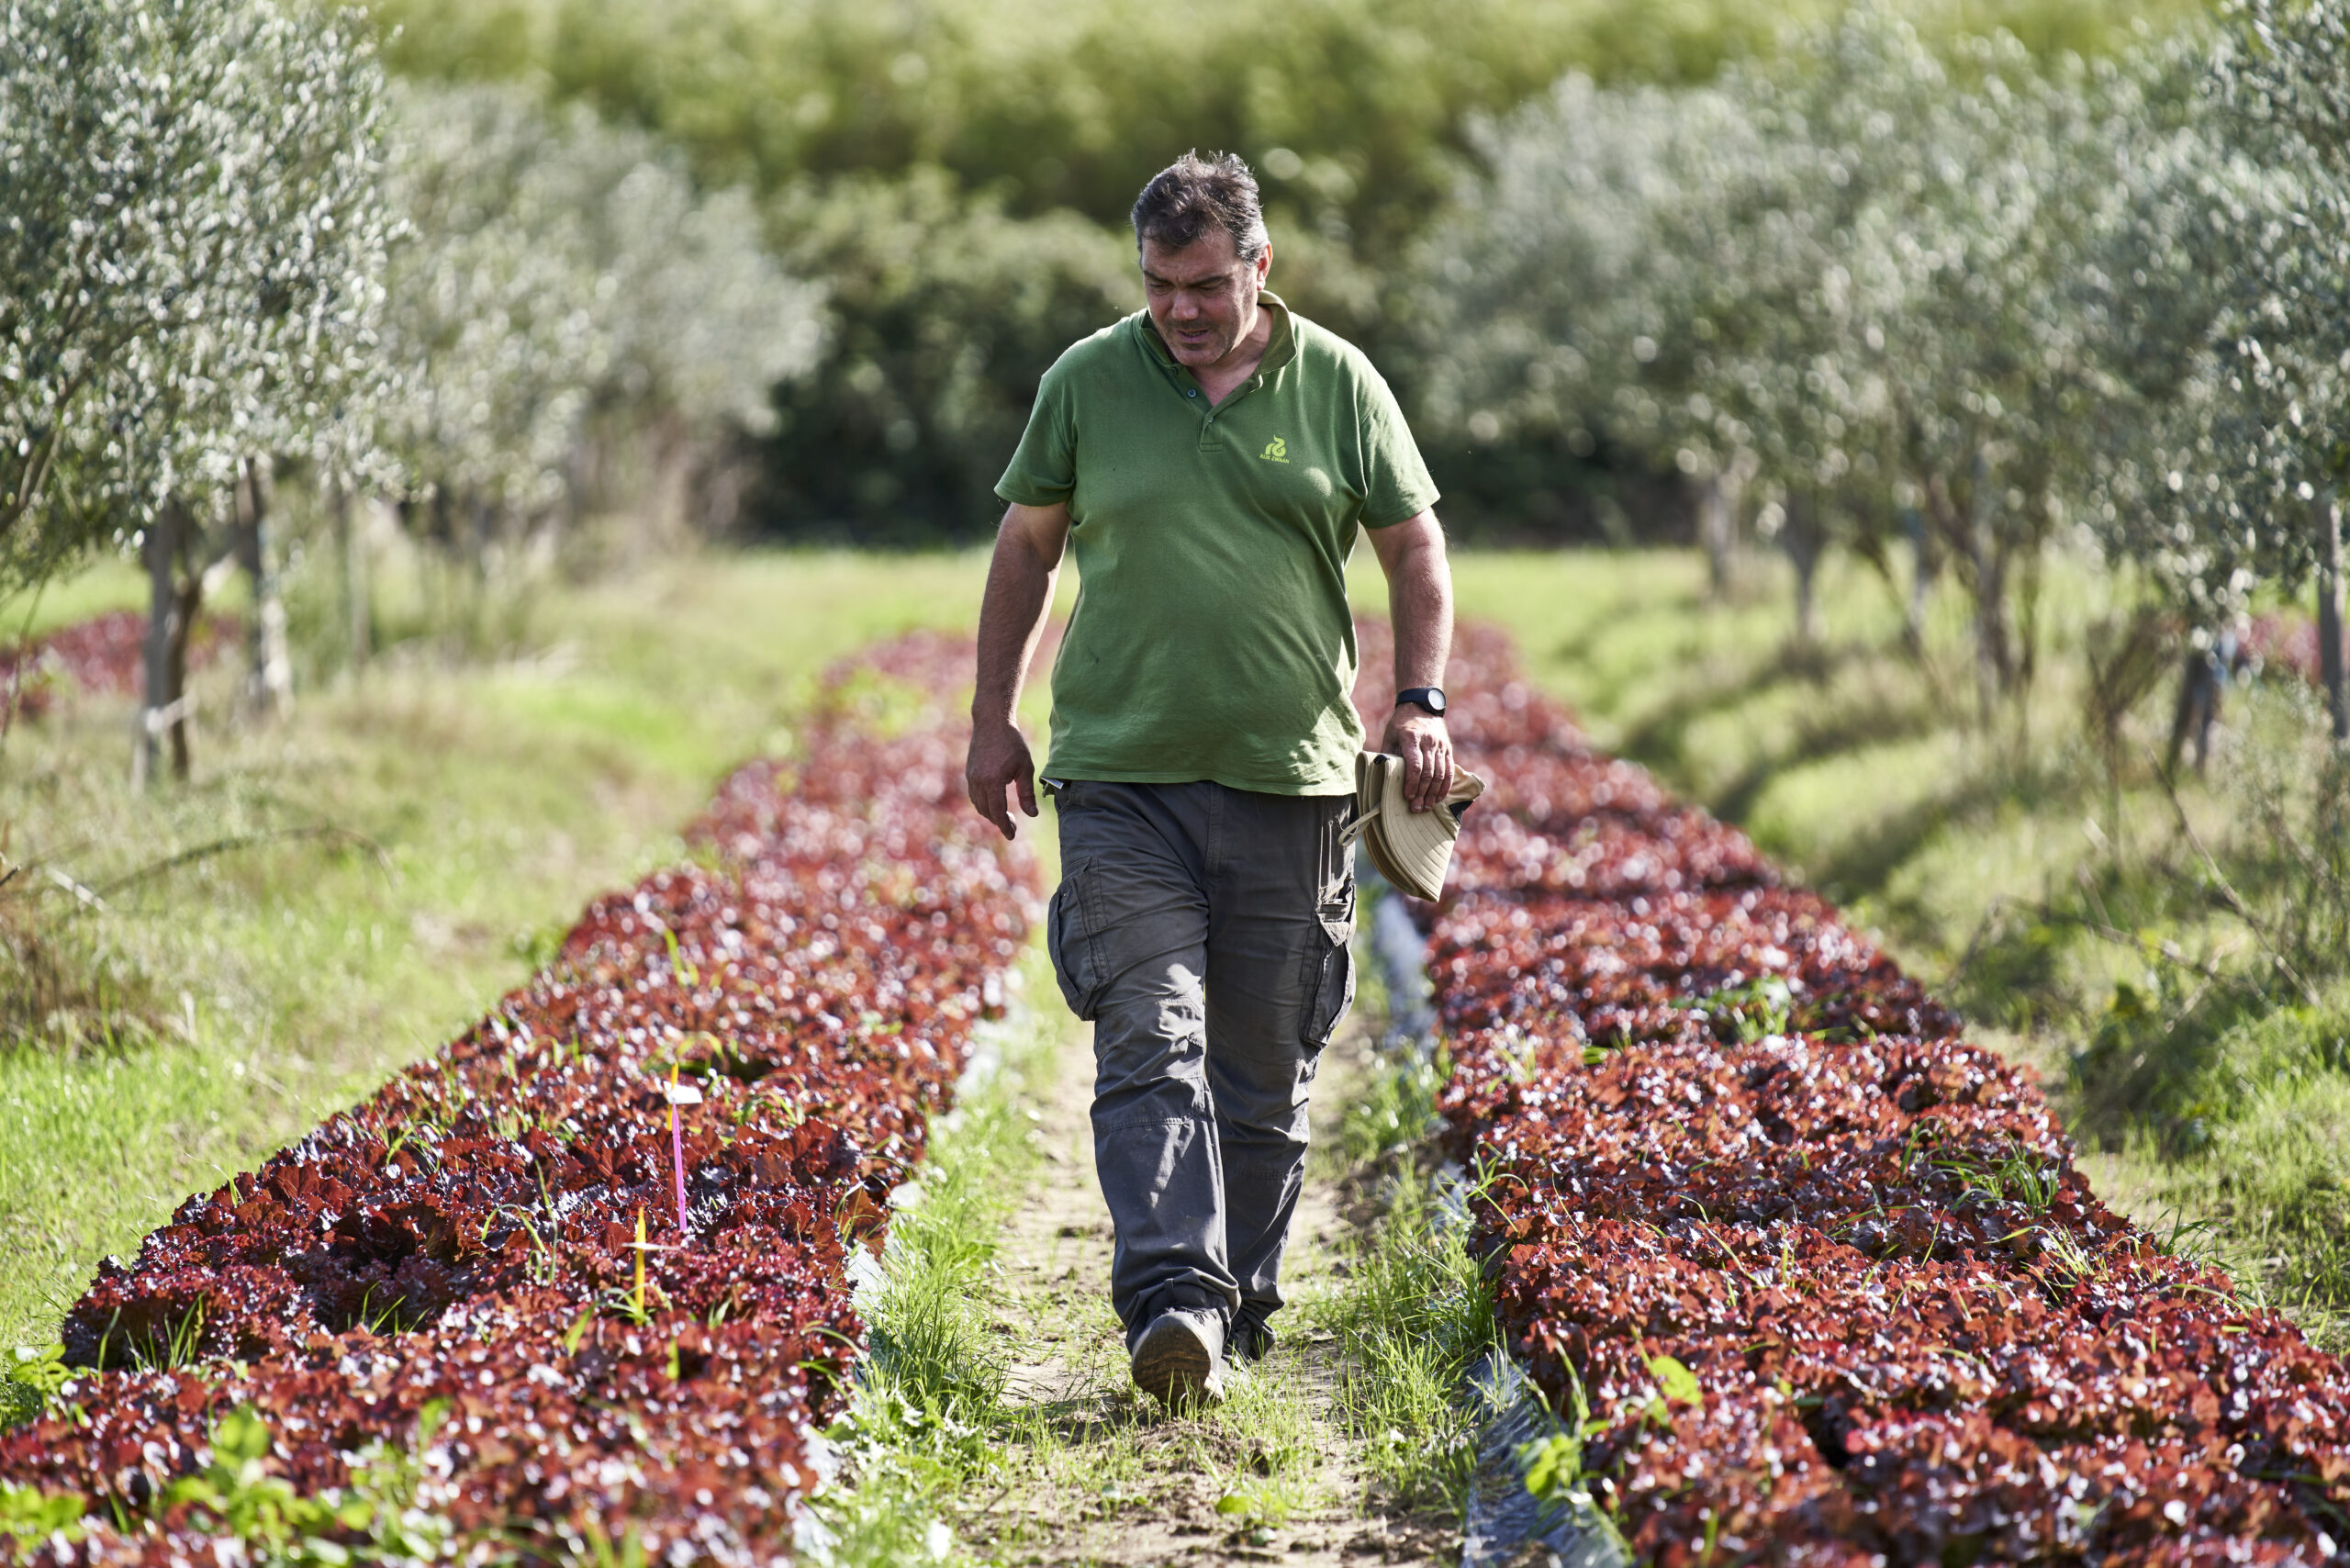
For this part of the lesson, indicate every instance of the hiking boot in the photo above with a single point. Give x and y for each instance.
(1180, 1358)
(1250, 1340)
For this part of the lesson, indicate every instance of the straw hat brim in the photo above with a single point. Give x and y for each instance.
(1412, 849)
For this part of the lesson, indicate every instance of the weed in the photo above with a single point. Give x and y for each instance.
(28, 1514)
(605, 1553)
(182, 1347)
(1749, 1012)
(29, 1382)
(2012, 1172)
(374, 1519)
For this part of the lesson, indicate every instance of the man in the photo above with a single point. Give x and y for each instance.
(1211, 459)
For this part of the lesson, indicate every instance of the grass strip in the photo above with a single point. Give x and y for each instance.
(1413, 1311)
(926, 1417)
(1413, 1318)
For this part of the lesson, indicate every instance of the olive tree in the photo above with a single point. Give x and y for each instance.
(1686, 275)
(1553, 303)
(1845, 274)
(191, 238)
(2279, 88)
(563, 287)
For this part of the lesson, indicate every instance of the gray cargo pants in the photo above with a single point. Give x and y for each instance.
(1204, 933)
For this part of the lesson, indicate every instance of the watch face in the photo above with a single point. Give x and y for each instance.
(1427, 697)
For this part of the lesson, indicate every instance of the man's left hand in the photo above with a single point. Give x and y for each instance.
(1418, 737)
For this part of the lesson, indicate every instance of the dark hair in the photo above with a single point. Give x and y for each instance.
(1193, 194)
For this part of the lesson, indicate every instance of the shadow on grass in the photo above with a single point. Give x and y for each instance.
(1874, 722)
(1661, 740)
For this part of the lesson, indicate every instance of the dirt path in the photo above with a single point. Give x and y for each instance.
(1097, 1474)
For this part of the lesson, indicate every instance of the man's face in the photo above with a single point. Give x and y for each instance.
(1204, 297)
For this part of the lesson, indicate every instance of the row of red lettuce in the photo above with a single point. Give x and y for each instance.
(1716, 1130)
(494, 1237)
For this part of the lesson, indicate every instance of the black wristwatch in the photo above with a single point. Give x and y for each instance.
(1428, 697)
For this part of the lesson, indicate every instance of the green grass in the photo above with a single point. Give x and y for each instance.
(925, 1421)
(1413, 1318)
(211, 1011)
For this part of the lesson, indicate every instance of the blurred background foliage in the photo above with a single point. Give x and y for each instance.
(917, 156)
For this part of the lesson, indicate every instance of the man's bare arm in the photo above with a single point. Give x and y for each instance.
(1028, 546)
(1419, 596)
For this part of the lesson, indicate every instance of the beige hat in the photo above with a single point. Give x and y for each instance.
(1412, 849)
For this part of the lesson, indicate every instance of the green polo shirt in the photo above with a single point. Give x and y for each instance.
(1212, 637)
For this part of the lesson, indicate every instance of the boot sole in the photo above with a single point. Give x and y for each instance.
(1174, 1366)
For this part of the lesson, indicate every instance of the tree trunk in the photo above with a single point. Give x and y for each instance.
(268, 686)
(2023, 623)
(1922, 564)
(1992, 670)
(189, 597)
(1805, 543)
(2329, 616)
(1715, 504)
(171, 605)
(353, 552)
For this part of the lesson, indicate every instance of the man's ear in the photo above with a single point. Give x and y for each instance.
(1264, 262)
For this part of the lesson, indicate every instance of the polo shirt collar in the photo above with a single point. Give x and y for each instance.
(1277, 353)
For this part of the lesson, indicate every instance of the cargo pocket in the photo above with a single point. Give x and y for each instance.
(1328, 980)
(1072, 939)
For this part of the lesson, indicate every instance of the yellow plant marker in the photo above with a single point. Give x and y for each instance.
(640, 1260)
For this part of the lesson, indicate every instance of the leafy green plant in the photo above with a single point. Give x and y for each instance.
(1676, 1384)
(1764, 1005)
(29, 1382)
(373, 1520)
(1552, 1465)
(28, 1513)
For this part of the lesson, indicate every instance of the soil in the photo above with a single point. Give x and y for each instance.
(1106, 1476)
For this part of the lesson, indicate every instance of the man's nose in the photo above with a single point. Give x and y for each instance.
(1186, 306)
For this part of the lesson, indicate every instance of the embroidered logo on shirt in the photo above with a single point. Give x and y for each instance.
(1276, 450)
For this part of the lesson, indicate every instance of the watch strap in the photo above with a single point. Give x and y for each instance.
(1419, 697)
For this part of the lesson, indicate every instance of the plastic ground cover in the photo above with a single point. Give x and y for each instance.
(468, 1241)
(1823, 1272)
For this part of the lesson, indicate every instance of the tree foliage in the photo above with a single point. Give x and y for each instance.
(1954, 291)
(1359, 116)
(946, 310)
(557, 268)
(191, 252)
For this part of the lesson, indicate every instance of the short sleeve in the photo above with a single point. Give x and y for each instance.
(1044, 467)
(1396, 483)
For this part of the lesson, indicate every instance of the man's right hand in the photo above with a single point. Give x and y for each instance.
(999, 762)
(1012, 616)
